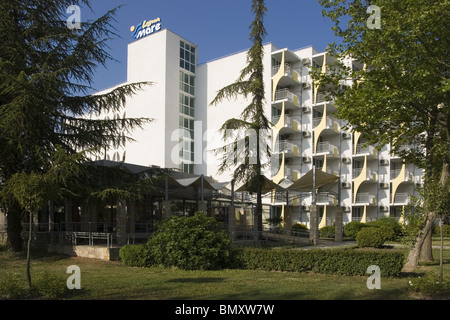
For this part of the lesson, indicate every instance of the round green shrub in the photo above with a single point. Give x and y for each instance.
(190, 243)
(327, 232)
(351, 229)
(299, 227)
(388, 222)
(370, 237)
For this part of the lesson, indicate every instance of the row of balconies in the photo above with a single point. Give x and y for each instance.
(362, 199)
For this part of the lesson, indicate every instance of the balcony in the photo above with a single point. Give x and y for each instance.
(366, 198)
(291, 174)
(371, 175)
(401, 199)
(403, 175)
(285, 95)
(328, 124)
(289, 76)
(326, 199)
(287, 147)
(370, 151)
(327, 148)
(288, 122)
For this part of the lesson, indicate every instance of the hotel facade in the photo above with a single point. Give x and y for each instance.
(185, 132)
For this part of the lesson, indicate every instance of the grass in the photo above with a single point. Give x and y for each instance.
(111, 280)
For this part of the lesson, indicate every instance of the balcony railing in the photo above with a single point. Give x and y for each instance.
(402, 198)
(325, 198)
(288, 70)
(283, 94)
(326, 147)
(285, 146)
(365, 198)
(408, 175)
(329, 122)
(363, 149)
(287, 120)
(371, 174)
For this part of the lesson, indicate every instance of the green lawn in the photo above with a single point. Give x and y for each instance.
(112, 280)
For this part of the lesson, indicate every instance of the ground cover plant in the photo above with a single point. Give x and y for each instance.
(113, 280)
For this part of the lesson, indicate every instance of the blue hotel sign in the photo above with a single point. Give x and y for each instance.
(146, 28)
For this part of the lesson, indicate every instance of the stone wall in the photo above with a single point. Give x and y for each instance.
(96, 252)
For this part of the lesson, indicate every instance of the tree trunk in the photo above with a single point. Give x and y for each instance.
(14, 228)
(426, 253)
(413, 256)
(29, 250)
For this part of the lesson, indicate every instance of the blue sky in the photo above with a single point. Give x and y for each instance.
(218, 27)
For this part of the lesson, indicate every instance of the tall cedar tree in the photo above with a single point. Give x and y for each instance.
(402, 94)
(46, 72)
(252, 119)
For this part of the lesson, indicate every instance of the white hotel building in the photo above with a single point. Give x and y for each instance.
(372, 183)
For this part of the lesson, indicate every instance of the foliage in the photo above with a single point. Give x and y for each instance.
(429, 286)
(134, 255)
(327, 232)
(46, 286)
(445, 230)
(46, 72)
(389, 226)
(252, 119)
(351, 229)
(299, 227)
(196, 242)
(370, 237)
(348, 262)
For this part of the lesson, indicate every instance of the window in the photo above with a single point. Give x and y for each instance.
(187, 57)
(187, 83)
(187, 105)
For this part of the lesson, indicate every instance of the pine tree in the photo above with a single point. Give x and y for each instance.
(46, 75)
(249, 84)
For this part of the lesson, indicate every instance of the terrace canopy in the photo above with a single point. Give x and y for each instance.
(317, 178)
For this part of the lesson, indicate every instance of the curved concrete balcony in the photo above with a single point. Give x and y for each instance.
(292, 101)
(365, 198)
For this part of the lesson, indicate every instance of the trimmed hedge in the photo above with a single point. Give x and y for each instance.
(134, 255)
(348, 261)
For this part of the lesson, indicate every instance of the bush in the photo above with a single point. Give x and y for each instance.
(192, 243)
(349, 261)
(327, 232)
(351, 229)
(370, 237)
(299, 227)
(430, 287)
(445, 230)
(388, 223)
(134, 256)
(44, 286)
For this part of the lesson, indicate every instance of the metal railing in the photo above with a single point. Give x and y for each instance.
(285, 94)
(325, 147)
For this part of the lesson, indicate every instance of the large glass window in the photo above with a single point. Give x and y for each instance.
(187, 105)
(187, 57)
(187, 83)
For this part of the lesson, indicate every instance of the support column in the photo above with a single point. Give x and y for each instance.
(121, 223)
(131, 218)
(202, 206)
(68, 214)
(338, 225)
(51, 215)
(166, 209)
(314, 224)
(287, 219)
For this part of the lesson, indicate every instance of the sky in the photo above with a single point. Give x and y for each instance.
(218, 28)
